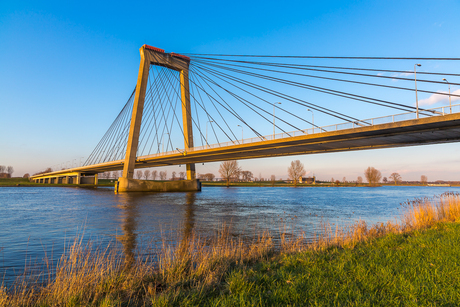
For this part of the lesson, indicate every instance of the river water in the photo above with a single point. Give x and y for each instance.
(37, 222)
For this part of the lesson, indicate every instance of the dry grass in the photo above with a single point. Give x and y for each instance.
(90, 276)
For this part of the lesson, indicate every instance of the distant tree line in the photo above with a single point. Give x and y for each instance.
(6, 171)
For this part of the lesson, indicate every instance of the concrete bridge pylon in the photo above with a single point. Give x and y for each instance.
(155, 56)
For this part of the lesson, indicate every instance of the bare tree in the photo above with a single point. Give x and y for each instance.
(210, 176)
(272, 179)
(423, 179)
(395, 177)
(147, 174)
(295, 171)
(372, 175)
(139, 174)
(26, 175)
(360, 180)
(10, 170)
(2, 169)
(163, 175)
(385, 179)
(229, 169)
(344, 180)
(173, 175)
(332, 180)
(154, 175)
(247, 175)
(181, 175)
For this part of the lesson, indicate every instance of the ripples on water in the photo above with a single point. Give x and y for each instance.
(37, 222)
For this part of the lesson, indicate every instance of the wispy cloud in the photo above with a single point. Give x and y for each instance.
(401, 75)
(436, 98)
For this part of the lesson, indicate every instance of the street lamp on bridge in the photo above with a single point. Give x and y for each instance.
(274, 118)
(163, 143)
(209, 121)
(450, 102)
(415, 78)
(312, 120)
(241, 133)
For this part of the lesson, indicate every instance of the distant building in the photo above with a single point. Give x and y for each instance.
(307, 180)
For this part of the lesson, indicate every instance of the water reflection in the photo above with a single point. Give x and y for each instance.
(189, 214)
(130, 215)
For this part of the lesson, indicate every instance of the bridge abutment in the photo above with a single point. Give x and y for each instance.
(136, 185)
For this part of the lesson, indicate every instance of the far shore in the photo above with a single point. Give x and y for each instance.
(24, 182)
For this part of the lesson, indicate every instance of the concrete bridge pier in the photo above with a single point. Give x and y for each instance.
(136, 185)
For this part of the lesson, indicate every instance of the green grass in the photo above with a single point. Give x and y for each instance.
(18, 181)
(13, 181)
(260, 184)
(420, 269)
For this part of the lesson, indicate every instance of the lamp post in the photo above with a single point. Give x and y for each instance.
(415, 79)
(241, 133)
(312, 120)
(209, 121)
(450, 102)
(163, 143)
(274, 118)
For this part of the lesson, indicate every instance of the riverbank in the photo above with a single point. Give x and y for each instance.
(413, 262)
(24, 182)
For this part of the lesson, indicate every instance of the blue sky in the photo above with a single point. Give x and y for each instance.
(67, 68)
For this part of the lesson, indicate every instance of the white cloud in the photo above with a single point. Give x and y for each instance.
(435, 98)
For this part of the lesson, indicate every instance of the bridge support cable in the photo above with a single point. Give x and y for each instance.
(157, 118)
(309, 104)
(103, 145)
(284, 96)
(307, 86)
(105, 142)
(167, 82)
(153, 102)
(119, 148)
(351, 81)
(150, 115)
(246, 102)
(193, 120)
(308, 68)
(227, 107)
(203, 106)
(323, 57)
(192, 95)
(164, 112)
(336, 93)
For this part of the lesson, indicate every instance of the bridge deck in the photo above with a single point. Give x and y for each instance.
(429, 130)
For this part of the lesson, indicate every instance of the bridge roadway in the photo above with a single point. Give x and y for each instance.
(429, 130)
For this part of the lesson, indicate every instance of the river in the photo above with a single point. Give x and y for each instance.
(37, 222)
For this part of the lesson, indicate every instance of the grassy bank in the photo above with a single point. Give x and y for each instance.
(414, 262)
(24, 182)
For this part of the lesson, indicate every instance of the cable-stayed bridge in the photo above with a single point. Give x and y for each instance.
(198, 108)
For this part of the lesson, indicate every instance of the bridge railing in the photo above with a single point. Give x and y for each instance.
(439, 111)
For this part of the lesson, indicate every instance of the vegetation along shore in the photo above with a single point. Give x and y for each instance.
(413, 261)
